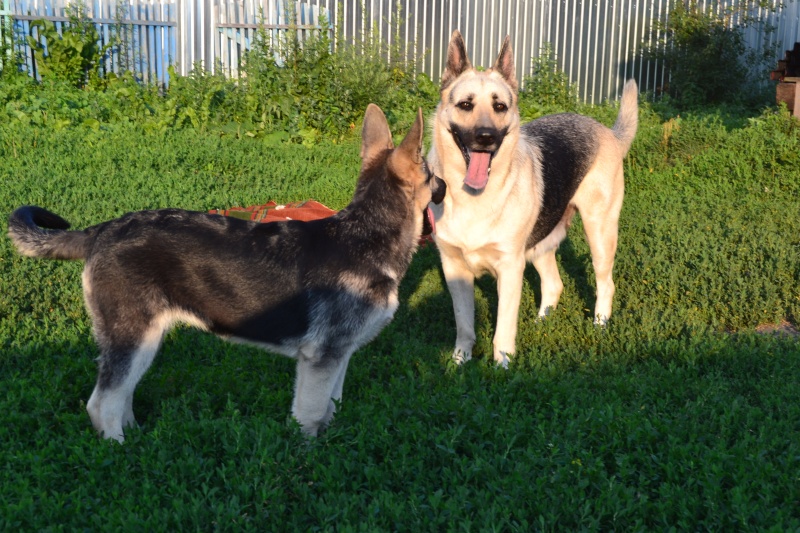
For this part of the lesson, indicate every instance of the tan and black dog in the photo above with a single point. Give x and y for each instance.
(315, 291)
(512, 190)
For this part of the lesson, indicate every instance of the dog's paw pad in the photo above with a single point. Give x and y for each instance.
(502, 360)
(461, 356)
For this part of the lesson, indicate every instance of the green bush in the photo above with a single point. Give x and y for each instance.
(308, 90)
(707, 57)
(293, 86)
(547, 89)
(373, 72)
(7, 63)
(74, 55)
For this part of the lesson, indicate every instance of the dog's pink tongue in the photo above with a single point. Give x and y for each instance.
(478, 171)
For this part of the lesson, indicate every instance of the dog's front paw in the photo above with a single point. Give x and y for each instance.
(461, 356)
(502, 359)
(310, 431)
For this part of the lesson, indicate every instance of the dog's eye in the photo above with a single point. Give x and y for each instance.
(466, 105)
(426, 170)
(500, 107)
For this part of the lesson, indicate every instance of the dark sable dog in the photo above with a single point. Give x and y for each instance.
(315, 291)
(514, 188)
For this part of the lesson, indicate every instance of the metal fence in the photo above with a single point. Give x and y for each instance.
(598, 43)
(147, 31)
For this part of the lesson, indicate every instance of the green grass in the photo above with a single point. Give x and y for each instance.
(676, 415)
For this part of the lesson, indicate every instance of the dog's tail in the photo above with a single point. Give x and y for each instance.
(628, 118)
(37, 232)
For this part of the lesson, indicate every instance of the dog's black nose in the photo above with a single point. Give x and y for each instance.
(485, 137)
(438, 190)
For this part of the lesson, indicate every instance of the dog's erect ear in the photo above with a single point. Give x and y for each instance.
(375, 134)
(412, 144)
(457, 60)
(504, 64)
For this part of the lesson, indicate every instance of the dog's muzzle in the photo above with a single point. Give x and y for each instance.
(477, 146)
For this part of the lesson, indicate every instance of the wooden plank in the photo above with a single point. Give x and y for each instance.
(136, 12)
(5, 36)
(786, 93)
(173, 40)
(151, 44)
(158, 71)
(22, 7)
(103, 31)
(236, 47)
(796, 109)
(164, 46)
(216, 38)
(130, 39)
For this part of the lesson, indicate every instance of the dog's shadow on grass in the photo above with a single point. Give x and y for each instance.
(426, 309)
(202, 374)
(576, 270)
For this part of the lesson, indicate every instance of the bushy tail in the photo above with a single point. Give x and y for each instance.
(628, 118)
(37, 232)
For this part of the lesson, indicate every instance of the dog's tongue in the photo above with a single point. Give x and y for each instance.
(431, 219)
(478, 171)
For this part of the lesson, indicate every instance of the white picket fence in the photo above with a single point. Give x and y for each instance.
(598, 43)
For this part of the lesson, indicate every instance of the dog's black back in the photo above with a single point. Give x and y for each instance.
(257, 281)
(567, 150)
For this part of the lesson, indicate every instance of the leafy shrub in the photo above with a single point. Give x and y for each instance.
(7, 63)
(373, 72)
(707, 57)
(74, 55)
(548, 88)
(292, 85)
(308, 90)
(200, 99)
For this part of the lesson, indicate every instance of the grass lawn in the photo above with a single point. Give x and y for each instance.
(679, 414)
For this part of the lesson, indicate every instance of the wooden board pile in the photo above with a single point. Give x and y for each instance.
(788, 76)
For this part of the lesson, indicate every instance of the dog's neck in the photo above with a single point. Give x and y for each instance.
(381, 216)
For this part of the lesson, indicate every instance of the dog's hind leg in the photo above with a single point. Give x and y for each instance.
(319, 380)
(599, 201)
(552, 286)
(121, 366)
(603, 245)
(336, 396)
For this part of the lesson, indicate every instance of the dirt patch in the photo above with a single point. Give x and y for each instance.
(784, 328)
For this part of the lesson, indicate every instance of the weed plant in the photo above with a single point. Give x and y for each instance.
(7, 63)
(73, 55)
(707, 57)
(677, 415)
(548, 89)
